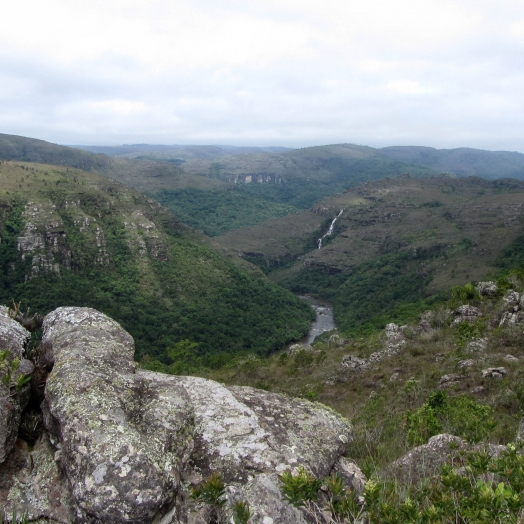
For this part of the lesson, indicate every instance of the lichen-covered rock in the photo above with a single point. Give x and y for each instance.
(351, 474)
(511, 300)
(354, 363)
(131, 444)
(13, 336)
(394, 332)
(494, 372)
(121, 439)
(13, 399)
(241, 430)
(477, 345)
(466, 313)
(424, 462)
(31, 481)
(450, 380)
(487, 289)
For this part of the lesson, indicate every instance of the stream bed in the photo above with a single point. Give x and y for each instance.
(324, 321)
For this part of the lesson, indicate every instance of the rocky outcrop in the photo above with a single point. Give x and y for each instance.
(127, 445)
(466, 313)
(487, 289)
(424, 462)
(13, 394)
(512, 308)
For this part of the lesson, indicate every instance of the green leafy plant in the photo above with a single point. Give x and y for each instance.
(300, 488)
(241, 512)
(211, 491)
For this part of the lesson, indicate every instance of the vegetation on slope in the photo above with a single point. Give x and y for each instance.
(72, 238)
(435, 384)
(398, 244)
(216, 212)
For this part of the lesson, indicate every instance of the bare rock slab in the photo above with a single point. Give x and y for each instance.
(131, 443)
(120, 438)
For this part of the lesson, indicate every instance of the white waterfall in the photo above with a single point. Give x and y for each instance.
(329, 231)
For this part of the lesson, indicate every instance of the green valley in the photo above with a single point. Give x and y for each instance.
(74, 238)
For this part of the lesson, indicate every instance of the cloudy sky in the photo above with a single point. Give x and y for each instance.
(441, 73)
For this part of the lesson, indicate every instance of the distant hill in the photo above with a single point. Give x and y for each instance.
(461, 161)
(221, 188)
(144, 175)
(398, 240)
(177, 154)
(68, 237)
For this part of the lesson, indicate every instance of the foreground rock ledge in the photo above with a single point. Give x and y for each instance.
(130, 444)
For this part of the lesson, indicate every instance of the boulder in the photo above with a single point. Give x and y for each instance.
(13, 398)
(468, 363)
(424, 462)
(13, 336)
(477, 345)
(131, 443)
(511, 300)
(494, 372)
(487, 289)
(121, 440)
(466, 313)
(449, 381)
(394, 332)
(354, 363)
(30, 479)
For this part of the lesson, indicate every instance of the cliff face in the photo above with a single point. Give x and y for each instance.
(125, 445)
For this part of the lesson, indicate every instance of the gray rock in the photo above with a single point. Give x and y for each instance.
(424, 325)
(394, 377)
(478, 390)
(241, 430)
(354, 363)
(477, 345)
(31, 481)
(132, 443)
(494, 372)
(425, 461)
(520, 433)
(351, 474)
(487, 289)
(467, 311)
(508, 319)
(510, 300)
(466, 363)
(121, 439)
(297, 348)
(510, 358)
(12, 335)
(394, 332)
(450, 380)
(13, 339)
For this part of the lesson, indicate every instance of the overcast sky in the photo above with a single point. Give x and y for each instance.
(264, 72)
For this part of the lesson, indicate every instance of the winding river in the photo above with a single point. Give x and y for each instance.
(323, 322)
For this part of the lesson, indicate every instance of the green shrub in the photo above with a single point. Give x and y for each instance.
(460, 416)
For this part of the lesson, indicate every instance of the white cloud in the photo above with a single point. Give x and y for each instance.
(120, 107)
(264, 71)
(409, 87)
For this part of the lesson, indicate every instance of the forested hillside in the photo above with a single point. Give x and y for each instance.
(396, 246)
(74, 238)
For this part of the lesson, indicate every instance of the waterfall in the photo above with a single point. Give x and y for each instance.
(329, 231)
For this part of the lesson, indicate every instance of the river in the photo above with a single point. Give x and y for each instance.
(324, 321)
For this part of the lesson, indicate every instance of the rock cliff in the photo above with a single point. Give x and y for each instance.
(123, 445)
